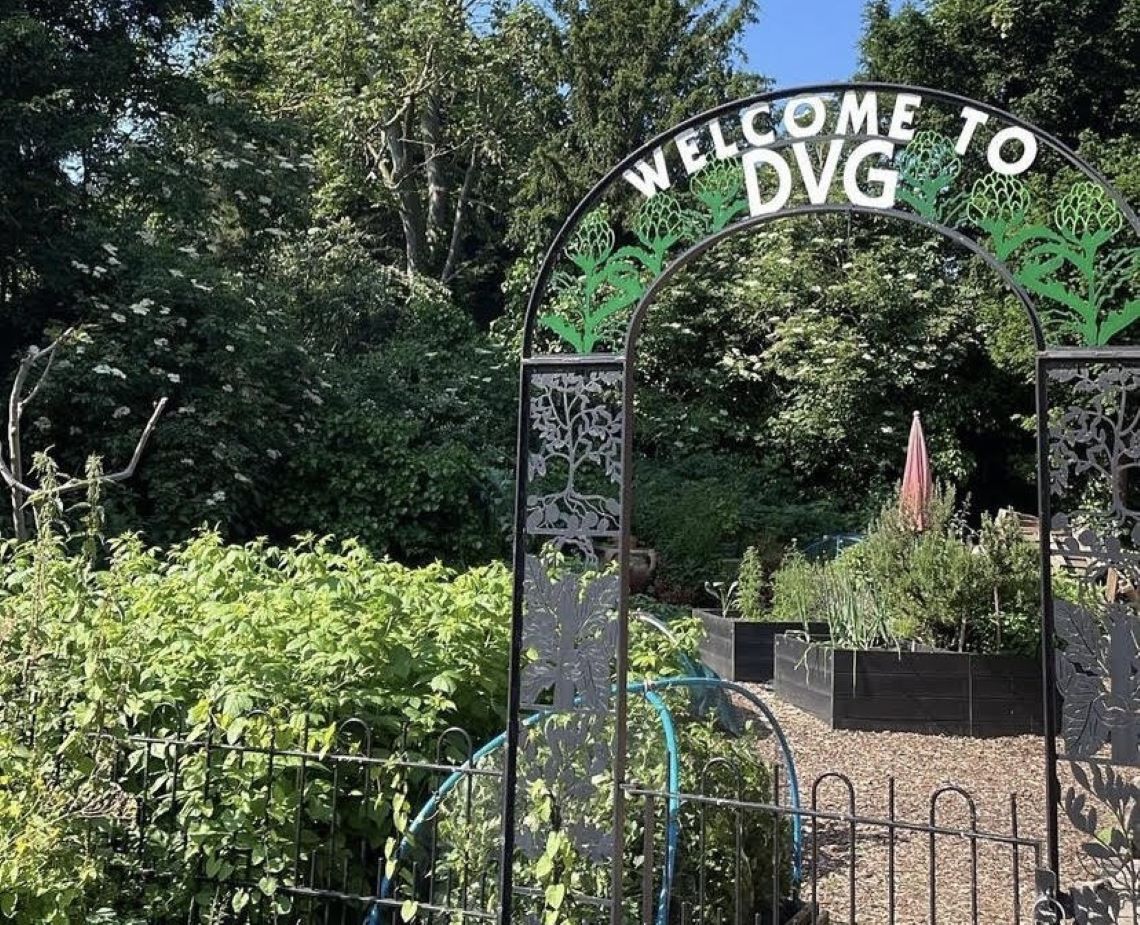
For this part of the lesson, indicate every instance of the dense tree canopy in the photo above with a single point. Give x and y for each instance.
(1070, 66)
(311, 224)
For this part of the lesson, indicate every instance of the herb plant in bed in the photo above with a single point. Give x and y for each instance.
(930, 632)
(740, 635)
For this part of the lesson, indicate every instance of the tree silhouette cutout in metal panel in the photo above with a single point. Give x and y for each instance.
(574, 465)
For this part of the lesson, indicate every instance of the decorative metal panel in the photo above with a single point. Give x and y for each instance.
(1094, 446)
(560, 760)
(569, 638)
(568, 751)
(574, 467)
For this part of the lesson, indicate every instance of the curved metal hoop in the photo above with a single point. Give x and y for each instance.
(683, 259)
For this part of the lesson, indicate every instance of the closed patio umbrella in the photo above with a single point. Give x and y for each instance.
(917, 487)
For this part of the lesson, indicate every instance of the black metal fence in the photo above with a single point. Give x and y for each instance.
(861, 868)
(274, 822)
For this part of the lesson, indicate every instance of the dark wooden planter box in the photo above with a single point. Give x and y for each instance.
(950, 693)
(741, 650)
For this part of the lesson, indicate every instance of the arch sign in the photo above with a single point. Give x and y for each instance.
(1063, 240)
(1028, 204)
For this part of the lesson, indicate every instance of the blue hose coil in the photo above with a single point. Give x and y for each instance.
(649, 690)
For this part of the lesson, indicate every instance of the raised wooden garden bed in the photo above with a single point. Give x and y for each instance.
(741, 650)
(929, 691)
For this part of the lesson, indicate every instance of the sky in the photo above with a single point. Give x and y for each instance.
(806, 41)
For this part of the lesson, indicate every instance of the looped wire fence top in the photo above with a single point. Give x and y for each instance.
(1055, 230)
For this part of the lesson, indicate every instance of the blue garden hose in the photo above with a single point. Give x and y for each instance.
(789, 761)
(669, 728)
(673, 814)
(648, 690)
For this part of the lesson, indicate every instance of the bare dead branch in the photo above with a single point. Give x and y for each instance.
(11, 480)
(50, 353)
(129, 470)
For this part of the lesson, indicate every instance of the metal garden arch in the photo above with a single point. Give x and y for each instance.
(1052, 227)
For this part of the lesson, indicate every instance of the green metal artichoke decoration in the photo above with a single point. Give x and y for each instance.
(720, 189)
(927, 168)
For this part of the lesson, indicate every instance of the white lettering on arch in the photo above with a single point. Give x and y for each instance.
(650, 179)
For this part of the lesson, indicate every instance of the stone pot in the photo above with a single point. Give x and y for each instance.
(642, 564)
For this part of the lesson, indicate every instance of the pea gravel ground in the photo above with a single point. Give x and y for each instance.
(991, 770)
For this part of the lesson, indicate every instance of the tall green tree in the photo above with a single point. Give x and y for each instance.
(410, 104)
(82, 79)
(1070, 66)
(624, 72)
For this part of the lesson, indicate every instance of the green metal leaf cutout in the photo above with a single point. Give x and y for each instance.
(927, 167)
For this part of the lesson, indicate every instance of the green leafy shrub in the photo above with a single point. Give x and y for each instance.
(274, 648)
(321, 628)
(268, 646)
(797, 589)
(410, 452)
(752, 586)
(45, 873)
(948, 586)
(702, 512)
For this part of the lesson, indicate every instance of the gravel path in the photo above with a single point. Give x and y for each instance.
(991, 770)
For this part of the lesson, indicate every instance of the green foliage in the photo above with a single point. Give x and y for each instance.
(44, 870)
(270, 647)
(83, 81)
(703, 511)
(806, 346)
(410, 450)
(412, 122)
(797, 589)
(257, 643)
(835, 594)
(947, 587)
(753, 585)
(951, 587)
(1070, 66)
(662, 63)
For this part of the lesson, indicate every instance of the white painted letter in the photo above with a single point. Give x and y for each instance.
(690, 152)
(1028, 151)
(817, 189)
(889, 178)
(973, 119)
(722, 150)
(748, 125)
(751, 163)
(650, 180)
(905, 105)
(858, 116)
(818, 115)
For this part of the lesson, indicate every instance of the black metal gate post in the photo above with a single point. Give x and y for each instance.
(569, 636)
(1090, 449)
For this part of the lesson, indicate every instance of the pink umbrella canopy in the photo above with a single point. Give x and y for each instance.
(917, 486)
